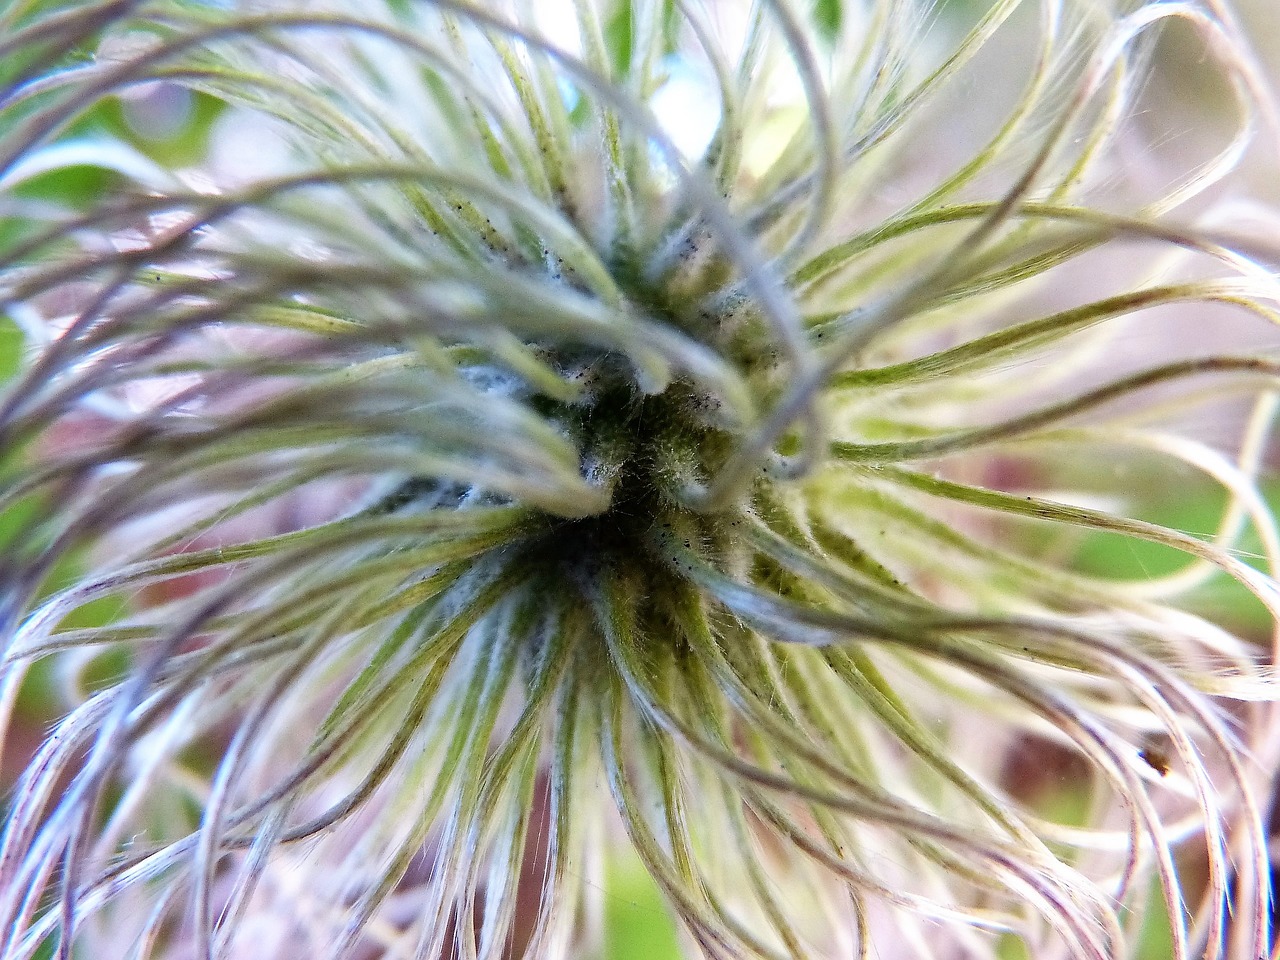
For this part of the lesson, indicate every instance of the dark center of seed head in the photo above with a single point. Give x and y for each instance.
(644, 449)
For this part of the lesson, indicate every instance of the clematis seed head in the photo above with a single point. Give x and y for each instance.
(458, 449)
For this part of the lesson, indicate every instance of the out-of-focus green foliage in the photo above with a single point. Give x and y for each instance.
(637, 924)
